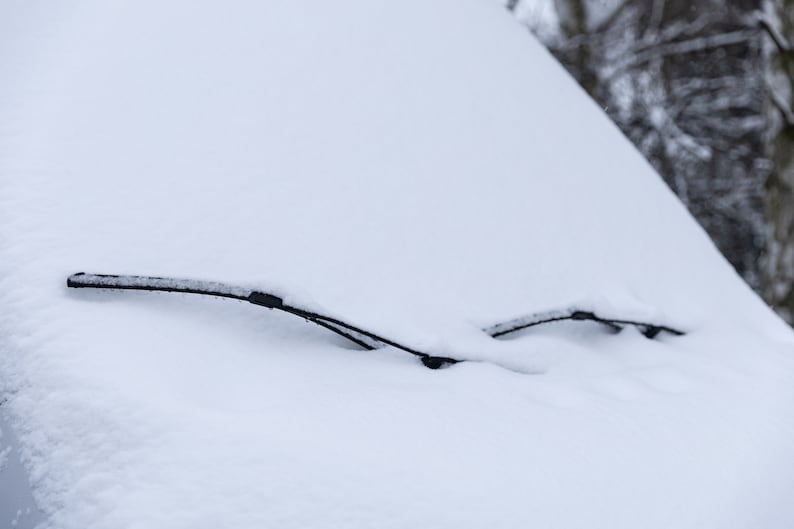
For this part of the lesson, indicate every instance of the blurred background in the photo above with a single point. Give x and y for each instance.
(704, 89)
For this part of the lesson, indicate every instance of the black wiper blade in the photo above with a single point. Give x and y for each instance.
(649, 330)
(361, 337)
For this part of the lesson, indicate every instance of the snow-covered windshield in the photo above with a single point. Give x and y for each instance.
(404, 172)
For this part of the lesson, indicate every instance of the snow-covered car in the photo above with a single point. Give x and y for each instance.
(420, 170)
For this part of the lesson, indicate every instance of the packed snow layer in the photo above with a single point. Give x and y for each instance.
(420, 168)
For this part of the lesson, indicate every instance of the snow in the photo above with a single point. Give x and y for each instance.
(17, 506)
(541, 16)
(421, 168)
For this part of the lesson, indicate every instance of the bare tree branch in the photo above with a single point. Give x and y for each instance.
(648, 53)
(764, 22)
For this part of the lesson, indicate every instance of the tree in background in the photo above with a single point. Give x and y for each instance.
(777, 21)
(704, 89)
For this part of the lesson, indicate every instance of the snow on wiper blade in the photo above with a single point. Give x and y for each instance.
(649, 330)
(366, 339)
(361, 337)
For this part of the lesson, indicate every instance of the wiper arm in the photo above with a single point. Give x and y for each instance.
(363, 338)
(649, 330)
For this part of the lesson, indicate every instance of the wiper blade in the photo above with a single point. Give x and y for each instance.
(649, 330)
(363, 338)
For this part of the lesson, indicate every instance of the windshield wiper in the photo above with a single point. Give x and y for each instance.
(649, 330)
(361, 337)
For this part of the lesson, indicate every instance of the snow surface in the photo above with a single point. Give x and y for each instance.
(18, 509)
(422, 168)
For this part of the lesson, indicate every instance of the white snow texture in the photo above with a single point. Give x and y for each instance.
(422, 168)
